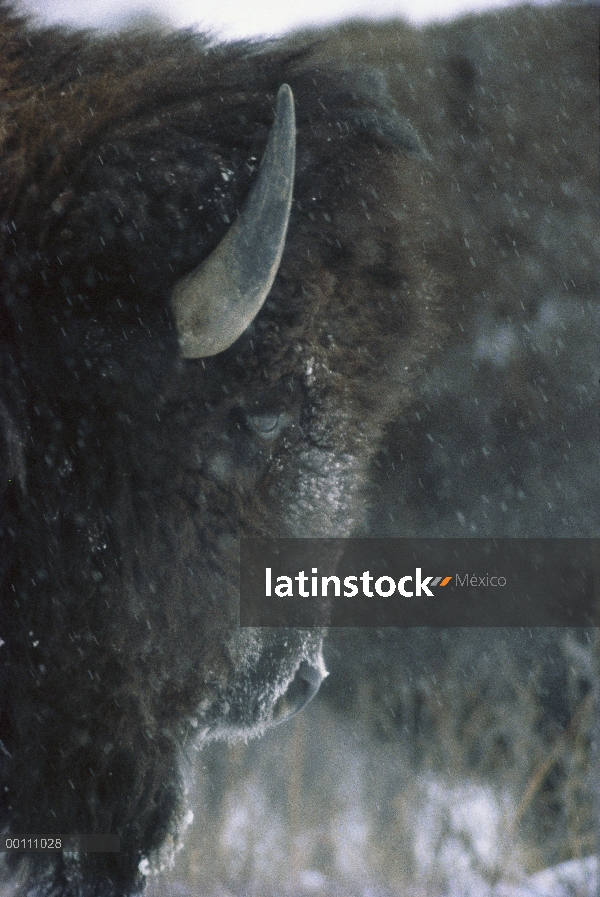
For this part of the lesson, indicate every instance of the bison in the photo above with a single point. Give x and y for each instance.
(194, 347)
(197, 345)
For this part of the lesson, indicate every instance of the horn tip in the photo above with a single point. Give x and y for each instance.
(285, 95)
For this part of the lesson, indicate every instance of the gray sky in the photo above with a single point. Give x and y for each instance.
(244, 18)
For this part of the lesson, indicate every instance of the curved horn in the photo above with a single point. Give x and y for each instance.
(215, 304)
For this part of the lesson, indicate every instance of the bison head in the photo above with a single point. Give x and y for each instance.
(177, 374)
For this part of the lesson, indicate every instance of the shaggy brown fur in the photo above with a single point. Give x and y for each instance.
(129, 473)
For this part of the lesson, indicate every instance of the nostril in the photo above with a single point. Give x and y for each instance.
(310, 678)
(300, 691)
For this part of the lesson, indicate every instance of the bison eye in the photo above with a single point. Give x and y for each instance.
(267, 424)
